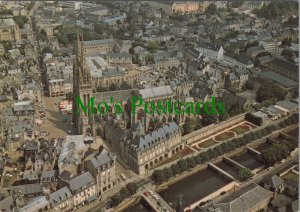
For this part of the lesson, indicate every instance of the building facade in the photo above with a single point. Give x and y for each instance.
(102, 167)
(142, 150)
(9, 30)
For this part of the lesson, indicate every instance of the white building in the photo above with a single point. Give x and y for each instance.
(210, 50)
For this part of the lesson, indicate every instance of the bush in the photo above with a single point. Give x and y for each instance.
(245, 174)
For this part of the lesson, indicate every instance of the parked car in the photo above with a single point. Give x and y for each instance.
(123, 177)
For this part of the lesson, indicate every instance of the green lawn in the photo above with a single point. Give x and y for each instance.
(240, 129)
(207, 143)
(224, 136)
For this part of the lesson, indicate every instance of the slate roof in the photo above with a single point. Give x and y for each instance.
(246, 201)
(9, 22)
(207, 45)
(276, 181)
(81, 181)
(285, 64)
(287, 104)
(23, 106)
(28, 188)
(286, 82)
(255, 49)
(35, 204)
(120, 55)
(143, 142)
(98, 42)
(101, 159)
(244, 60)
(156, 92)
(242, 71)
(48, 175)
(7, 204)
(113, 71)
(60, 196)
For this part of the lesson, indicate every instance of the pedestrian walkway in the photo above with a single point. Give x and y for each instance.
(128, 180)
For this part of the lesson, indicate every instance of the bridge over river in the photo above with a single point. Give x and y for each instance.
(155, 201)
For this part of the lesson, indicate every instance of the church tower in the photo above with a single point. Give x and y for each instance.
(81, 88)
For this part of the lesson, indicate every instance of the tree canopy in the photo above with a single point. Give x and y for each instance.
(211, 9)
(269, 91)
(20, 20)
(245, 174)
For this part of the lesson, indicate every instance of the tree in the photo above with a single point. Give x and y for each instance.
(47, 49)
(224, 116)
(208, 119)
(183, 165)
(124, 192)
(131, 51)
(163, 43)
(168, 173)
(7, 45)
(191, 162)
(99, 28)
(116, 199)
(245, 174)
(118, 23)
(219, 149)
(20, 20)
(211, 9)
(254, 119)
(189, 125)
(158, 176)
(212, 153)
(175, 169)
(132, 188)
(197, 124)
(69, 95)
(197, 159)
(204, 156)
(6, 12)
(153, 45)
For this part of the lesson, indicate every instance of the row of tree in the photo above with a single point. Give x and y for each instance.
(279, 151)
(293, 119)
(125, 192)
(160, 176)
